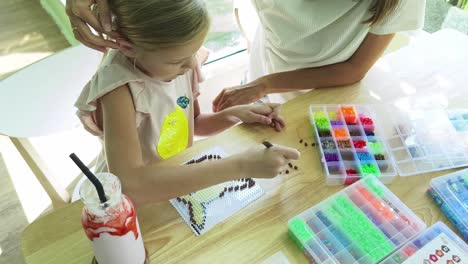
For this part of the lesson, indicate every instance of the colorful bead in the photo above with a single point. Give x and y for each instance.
(344, 143)
(322, 124)
(359, 144)
(320, 115)
(364, 156)
(328, 144)
(375, 147)
(336, 123)
(355, 132)
(340, 132)
(351, 180)
(409, 250)
(325, 133)
(331, 157)
(368, 169)
(359, 229)
(379, 157)
(332, 115)
(300, 232)
(349, 115)
(366, 121)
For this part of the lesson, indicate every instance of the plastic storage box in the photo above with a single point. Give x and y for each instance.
(413, 138)
(437, 244)
(351, 143)
(450, 192)
(424, 140)
(459, 119)
(363, 223)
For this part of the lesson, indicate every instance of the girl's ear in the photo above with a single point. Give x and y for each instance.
(127, 49)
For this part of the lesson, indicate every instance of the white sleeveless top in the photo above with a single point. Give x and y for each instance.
(164, 110)
(298, 34)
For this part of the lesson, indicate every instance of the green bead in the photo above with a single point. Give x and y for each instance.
(371, 182)
(300, 232)
(375, 147)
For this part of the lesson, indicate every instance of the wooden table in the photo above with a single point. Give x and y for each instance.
(250, 236)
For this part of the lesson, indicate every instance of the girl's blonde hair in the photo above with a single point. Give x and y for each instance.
(159, 24)
(380, 9)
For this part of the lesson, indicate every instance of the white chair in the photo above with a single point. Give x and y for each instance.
(38, 101)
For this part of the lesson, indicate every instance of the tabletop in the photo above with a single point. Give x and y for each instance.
(257, 231)
(42, 95)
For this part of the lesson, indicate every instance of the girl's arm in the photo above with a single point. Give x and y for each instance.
(207, 124)
(153, 183)
(343, 73)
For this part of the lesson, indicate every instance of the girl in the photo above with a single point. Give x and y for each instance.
(142, 103)
(317, 44)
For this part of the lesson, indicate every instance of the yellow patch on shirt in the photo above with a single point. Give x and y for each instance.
(174, 134)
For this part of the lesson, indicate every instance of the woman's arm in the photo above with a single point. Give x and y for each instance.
(155, 183)
(343, 73)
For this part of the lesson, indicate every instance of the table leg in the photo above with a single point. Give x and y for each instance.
(59, 196)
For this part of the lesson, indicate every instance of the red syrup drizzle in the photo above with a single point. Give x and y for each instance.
(124, 221)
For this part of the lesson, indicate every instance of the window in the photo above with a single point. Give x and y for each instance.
(224, 38)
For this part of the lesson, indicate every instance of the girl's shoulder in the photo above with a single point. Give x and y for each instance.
(114, 71)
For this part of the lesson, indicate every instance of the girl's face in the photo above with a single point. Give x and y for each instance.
(167, 64)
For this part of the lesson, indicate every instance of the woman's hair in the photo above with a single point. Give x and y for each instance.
(380, 9)
(158, 24)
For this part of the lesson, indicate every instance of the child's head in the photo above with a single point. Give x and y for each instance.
(166, 34)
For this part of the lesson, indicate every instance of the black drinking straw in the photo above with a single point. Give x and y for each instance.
(267, 144)
(94, 180)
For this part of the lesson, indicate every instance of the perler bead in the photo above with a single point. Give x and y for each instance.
(364, 156)
(355, 132)
(300, 232)
(319, 115)
(344, 143)
(350, 180)
(368, 169)
(322, 124)
(359, 144)
(331, 157)
(375, 147)
(340, 132)
(379, 157)
(366, 121)
(336, 123)
(409, 250)
(325, 133)
(349, 115)
(328, 144)
(359, 229)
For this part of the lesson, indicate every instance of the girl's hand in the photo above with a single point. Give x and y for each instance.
(265, 163)
(239, 95)
(267, 114)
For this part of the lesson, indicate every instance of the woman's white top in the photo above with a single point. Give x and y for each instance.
(297, 34)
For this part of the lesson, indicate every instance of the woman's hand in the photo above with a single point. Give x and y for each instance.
(239, 95)
(82, 17)
(267, 114)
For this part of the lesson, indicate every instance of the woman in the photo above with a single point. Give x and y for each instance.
(300, 44)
